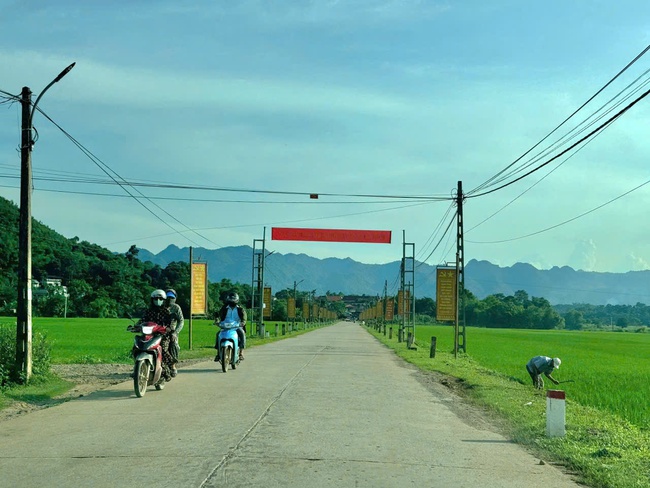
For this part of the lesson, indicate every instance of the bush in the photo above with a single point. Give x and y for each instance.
(41, 359)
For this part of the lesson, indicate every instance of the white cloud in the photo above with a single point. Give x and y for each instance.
(584, 256)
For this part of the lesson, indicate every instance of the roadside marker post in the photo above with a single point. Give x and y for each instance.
(555, 413)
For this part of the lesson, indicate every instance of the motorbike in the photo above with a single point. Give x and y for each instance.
(228, 342)
(148, 356)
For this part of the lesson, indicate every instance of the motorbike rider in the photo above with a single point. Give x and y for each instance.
(176, 325)
(158, 313)
(231, 311)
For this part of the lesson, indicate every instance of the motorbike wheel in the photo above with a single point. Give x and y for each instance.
(226, 352)
(140, 378)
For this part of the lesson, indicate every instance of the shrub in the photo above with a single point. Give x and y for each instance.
(40, 354)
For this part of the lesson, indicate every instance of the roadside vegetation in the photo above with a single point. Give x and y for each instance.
(607, 444)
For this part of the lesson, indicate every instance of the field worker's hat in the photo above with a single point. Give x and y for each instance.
(556, 362)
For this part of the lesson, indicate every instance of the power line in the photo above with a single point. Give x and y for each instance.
(107, 170)
(530, 187)
(238, 226)
(486, 183)
(597, 129)
(566, 221)
(580, 128)
(181, 199)
(439, 241)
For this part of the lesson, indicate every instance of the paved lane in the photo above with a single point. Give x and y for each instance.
(332, 407)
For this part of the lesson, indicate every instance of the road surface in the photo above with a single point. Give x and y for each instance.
(332, 407)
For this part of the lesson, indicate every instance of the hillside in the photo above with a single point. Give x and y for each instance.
(558, 285)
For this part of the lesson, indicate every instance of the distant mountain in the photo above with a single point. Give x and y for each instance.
(558, 285)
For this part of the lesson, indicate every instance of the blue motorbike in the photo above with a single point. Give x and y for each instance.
(228, 342)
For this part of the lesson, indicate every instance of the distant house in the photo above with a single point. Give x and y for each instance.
(334, 298)
(49, 285)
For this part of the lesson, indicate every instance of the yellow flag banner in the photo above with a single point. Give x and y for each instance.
(305, 310)
(446, 302)
(390, 308)
(267, 302)
(403, 302)
(199, 299)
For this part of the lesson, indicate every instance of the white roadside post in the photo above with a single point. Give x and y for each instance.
(555, 413)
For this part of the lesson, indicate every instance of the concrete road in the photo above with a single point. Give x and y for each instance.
(332, 407)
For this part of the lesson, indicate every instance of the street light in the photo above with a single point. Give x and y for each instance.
(23, 366)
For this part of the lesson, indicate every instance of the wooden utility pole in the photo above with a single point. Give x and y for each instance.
(23, 366)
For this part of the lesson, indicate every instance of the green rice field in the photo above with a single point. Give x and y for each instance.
(89, 341)
(610, 370)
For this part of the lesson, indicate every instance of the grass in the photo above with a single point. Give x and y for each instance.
(93, 341)
(609, 448)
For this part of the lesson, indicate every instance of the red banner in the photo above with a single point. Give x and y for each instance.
(330, 235)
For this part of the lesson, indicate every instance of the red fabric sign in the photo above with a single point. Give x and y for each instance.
(330, 235)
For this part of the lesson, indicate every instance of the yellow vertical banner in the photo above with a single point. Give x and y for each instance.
(314, 311)
(291, 308)
(446, 284)
(267, 302)
(390, 308)
(199, 289)
(305, 310)
(380, 309)
(403, 302)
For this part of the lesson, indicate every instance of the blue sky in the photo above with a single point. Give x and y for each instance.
(394, 98)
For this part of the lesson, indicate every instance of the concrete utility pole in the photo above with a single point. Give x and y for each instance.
(23, 365)
(23, 369)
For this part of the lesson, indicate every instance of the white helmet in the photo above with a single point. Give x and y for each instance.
(158, 297)
(556, 362)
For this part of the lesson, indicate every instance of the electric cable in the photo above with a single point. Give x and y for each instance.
(445, 233)
(566, 221)
(633, 61)
(581, 127)
(581, 140)
(107, 170)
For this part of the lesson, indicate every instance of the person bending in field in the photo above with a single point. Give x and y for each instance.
(542, 365)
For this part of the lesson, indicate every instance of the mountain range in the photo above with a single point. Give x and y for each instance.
(559, 285)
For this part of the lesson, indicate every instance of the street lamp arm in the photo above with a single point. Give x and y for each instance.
(55, 80)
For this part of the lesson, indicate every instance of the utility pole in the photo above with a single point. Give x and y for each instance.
(23, 369)
(461, 335)
(23, 366)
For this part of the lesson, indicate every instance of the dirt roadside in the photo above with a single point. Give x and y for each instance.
(87, 378)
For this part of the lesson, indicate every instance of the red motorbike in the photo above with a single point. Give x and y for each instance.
(148, 356)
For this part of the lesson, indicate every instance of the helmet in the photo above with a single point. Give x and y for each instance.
(556, 362)
(232, 298)
(158, 295)
(171, 293)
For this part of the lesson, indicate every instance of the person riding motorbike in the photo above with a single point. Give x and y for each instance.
(176, 325)
(158, 313)
(231, 311)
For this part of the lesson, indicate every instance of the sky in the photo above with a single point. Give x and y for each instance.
(378, 106)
